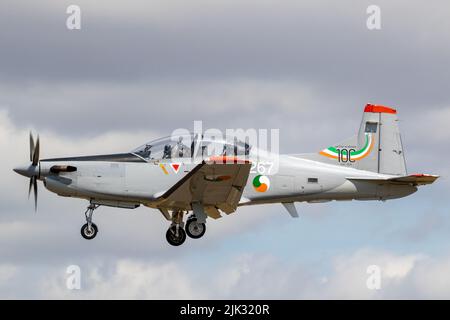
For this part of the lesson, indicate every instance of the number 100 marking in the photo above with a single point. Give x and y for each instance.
(345, 155)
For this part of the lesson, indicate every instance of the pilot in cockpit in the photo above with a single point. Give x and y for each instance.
(180, 150)
(167, 151)
(146, 152)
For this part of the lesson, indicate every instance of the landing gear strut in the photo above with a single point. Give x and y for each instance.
(176, 234)
(89, 230)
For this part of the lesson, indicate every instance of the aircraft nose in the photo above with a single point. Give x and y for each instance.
(25, 170)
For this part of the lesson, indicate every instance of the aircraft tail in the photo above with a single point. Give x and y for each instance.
(377, 147)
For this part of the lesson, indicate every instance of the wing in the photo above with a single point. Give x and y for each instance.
(216, 184)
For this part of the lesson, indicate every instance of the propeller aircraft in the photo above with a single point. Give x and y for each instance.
(209, 177)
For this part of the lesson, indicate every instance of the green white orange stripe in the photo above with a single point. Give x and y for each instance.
(332, 152)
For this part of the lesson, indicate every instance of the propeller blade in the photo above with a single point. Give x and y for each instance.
(36, 153)
(35, 186)
(30, 186)
(34, 158)
(31, 147)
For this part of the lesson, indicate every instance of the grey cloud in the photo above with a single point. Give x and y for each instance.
(403, 276)
(323, 45)
(160, 66)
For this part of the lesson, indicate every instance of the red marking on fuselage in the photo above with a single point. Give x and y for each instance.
(175, 167)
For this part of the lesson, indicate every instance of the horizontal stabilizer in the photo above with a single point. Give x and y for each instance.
(414, 179)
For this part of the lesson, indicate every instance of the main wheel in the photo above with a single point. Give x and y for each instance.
(194, 229)
(87, 233)
(176, 238)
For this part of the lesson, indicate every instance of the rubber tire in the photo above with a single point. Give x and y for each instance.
(84, 231)
(190, 224)
(175, 241)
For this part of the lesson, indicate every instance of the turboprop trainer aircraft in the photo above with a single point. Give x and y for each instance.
(210, 177)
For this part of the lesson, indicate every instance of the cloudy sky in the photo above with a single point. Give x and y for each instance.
(138, 70)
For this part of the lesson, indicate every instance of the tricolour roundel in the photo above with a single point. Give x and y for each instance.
(261, 183)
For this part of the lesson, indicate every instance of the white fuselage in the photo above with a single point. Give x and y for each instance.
(129, 184)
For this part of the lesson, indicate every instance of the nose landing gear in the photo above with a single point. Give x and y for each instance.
(89, 230)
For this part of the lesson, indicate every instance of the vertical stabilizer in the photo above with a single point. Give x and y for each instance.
(377, 147)
(380, 124)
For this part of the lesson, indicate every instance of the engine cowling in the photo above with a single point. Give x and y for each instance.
(60, 186)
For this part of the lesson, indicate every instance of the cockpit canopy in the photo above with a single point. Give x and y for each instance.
(192, 146)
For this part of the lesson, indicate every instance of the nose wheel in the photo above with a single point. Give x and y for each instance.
(89, 233)
(89, 230)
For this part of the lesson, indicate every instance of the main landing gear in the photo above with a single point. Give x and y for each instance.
(195, 229)
(89, 230)
(176, 234)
